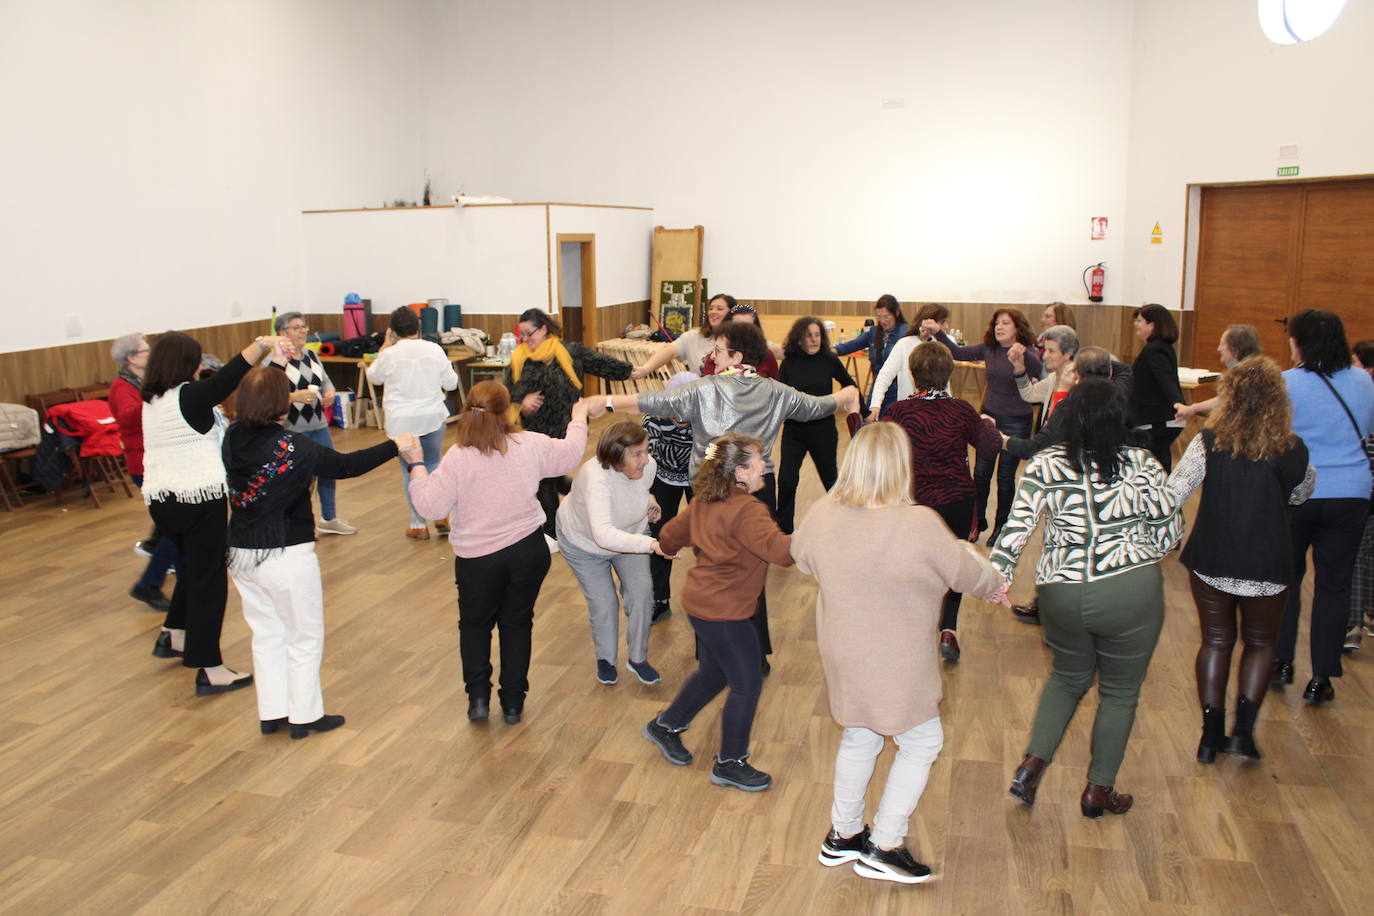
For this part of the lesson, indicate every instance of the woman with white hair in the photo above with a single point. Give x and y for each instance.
(883, 633)
(130, 355)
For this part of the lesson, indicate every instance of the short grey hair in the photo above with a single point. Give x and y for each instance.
(1093, 362)
(1243, 340)
(284, 319)
(1065, 336)
(126, 346)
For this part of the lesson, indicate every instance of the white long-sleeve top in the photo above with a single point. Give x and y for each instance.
(607, 512)
(895, 369)
(414, 374)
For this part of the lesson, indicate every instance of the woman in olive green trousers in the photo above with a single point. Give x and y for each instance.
(1101, 591)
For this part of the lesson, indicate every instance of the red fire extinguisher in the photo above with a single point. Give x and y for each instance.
(1099, 278)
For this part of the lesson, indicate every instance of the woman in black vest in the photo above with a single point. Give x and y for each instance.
(1251, 467)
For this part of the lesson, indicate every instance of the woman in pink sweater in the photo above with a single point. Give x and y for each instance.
(878, 643)
(485, 486)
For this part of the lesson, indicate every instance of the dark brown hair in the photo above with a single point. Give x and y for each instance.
(405, 322)
(714, 481)
(931, 364)
(1023, 331)
(541, 319)
(263, 397)
(745, 338)
(730, 303)
(1165, 328)
(174, 358)
(483, 424)
(792, 346)
(888, 303)
(616, 440)
(932, 310)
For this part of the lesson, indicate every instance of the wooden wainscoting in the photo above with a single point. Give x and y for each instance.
(73, 365)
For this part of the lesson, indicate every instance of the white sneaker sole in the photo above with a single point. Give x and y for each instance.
(878, 872)
(831, 859)
(332, 531)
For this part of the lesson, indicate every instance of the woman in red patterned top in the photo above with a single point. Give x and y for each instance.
(941, 429)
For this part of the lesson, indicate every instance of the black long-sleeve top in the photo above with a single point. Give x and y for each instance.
(198, 398)
(813, 373)
(1156, 389)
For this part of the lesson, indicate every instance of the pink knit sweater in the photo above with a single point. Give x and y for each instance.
(489, 500)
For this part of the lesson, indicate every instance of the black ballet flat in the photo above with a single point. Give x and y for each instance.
(270, 726)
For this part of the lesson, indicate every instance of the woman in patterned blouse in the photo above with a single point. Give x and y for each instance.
(1109, 520)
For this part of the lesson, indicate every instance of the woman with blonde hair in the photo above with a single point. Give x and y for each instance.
(884, 633)
(486, 487)
(1251, 467)
(734, 538)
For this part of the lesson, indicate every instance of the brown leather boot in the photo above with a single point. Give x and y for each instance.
(1027, 780)
(1097, 799)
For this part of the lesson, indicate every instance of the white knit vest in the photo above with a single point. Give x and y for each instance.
(177, 460)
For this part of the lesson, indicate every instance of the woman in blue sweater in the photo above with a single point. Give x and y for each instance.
(878, 339)
(1333, 412)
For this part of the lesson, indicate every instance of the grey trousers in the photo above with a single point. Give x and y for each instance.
(593, 573)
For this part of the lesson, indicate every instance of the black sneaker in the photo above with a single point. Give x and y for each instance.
(668, 742)
(646, 672)
(739, 774)
(145, 548)
(152, 597)
(890, 865)
(661, 611)
(837, 850)
(605, 672)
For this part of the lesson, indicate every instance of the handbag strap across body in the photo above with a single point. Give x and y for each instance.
(1344, 406)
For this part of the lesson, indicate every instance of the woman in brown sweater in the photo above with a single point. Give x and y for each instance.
(878, 644)
(735, 538)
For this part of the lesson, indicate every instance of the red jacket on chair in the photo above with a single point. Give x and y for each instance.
(92, 422)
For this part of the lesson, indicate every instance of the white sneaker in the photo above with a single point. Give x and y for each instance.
(334, 526)
(553, 545)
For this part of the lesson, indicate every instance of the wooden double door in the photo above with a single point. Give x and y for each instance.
(1266, 252)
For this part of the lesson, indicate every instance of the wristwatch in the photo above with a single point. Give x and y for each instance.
(413, 465)
(610, 408)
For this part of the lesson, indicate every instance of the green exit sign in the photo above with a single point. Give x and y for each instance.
(1287, 171)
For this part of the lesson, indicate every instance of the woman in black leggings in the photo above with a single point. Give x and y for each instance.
(812, 367)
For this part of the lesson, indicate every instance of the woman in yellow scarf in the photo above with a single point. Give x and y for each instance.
(545, 380)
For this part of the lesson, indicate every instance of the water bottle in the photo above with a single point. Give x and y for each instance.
(506, 347)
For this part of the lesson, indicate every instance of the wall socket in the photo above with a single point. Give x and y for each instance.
(235, 308)
(72, 323)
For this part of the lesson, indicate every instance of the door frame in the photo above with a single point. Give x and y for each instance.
(587, 245)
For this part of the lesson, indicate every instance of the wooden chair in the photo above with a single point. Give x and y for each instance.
(87, 470)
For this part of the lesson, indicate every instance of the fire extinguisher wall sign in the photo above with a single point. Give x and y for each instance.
(1094, 278)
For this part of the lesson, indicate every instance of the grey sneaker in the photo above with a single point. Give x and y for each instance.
(334, 526)
(668, 742)
(740, 775)
(605, 672)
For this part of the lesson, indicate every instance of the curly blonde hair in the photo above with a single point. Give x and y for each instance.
(1253, 419)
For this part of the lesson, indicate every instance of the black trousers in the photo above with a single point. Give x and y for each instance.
(498, 591)
(547, 494)
(768, 496)
(198, 532)
(958, 517)
(1332, 528)
(669, 497)
(1259, 627)
(727, 655)
(1006, 464)
(1162, 444)
(820, 440)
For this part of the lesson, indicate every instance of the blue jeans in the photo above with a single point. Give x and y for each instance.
(326, 484)
(432, 444)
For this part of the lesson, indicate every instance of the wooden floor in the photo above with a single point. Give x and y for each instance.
(120, 791)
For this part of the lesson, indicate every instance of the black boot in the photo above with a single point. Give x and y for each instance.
(1242, 740)
(1213, 733)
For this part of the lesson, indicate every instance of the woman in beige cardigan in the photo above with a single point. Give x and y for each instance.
(888, 627)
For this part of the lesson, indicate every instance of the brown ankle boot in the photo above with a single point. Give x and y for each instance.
(1097, 799)
(1027, 779)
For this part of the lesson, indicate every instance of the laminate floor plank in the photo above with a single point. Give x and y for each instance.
(122, 792)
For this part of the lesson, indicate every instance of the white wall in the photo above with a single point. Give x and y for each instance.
(764, 123)
(159, 154)
(1213, 100)
(624, 239)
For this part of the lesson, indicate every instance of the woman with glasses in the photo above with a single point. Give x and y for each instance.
(311, 392)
